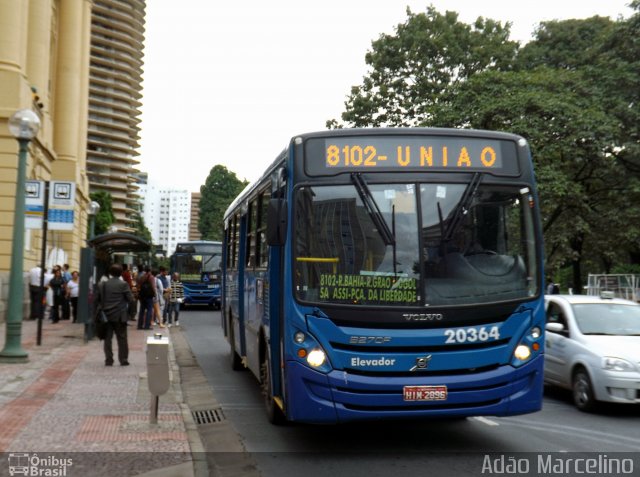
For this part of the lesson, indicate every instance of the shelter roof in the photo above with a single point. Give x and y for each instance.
(119, 242)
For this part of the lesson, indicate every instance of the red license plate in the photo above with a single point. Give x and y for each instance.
(424, 393)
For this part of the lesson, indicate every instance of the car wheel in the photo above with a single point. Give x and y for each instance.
(274, 413)
(583, 391)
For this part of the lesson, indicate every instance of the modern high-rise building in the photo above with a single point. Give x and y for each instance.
(194, 232)
(166, 213)
(115, 84)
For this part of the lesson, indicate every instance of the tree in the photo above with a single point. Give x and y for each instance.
(140, 229)
(217, 193)
(572, 92)
(411, 69)
(105, 217)
(570, 133)
(607, 55)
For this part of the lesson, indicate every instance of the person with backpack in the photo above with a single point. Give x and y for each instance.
(146, 294)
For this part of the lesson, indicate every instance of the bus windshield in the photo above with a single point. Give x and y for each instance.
(201, 264)
(444, 244)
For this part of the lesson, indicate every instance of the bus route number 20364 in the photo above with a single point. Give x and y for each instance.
(472, 335)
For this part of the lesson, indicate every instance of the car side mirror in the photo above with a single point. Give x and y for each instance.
(555, 327)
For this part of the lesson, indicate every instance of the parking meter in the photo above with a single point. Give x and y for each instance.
(157, 370)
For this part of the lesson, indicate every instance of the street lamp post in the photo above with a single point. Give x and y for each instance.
(94, 208)
(23, 125)
(88, 306)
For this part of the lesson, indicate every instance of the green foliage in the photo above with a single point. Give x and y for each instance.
(411, 69)
(105, 217)
(140, 229)
(573, 92)
(217, 193)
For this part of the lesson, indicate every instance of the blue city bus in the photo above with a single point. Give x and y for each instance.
(389, 274)
(199, 264)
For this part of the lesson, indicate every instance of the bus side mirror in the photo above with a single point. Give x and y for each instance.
(276, 222)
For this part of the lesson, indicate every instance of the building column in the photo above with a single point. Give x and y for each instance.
(70, 117)
(69, 76)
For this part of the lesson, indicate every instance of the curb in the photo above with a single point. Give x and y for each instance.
(216, 446)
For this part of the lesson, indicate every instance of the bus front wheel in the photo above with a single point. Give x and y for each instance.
(274, 413)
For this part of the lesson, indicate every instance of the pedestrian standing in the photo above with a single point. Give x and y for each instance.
(73, 286)
(176, 299)
(128, 277)
(158, 299)
(66, 276)
(36, 292)
(166, 293)
(146, 292)
(47, 301)
(56, 284)
(114, 297)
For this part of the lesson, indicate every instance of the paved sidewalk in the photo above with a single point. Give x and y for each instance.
(65, 400)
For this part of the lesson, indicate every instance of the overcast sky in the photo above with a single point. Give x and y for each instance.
(231, 82)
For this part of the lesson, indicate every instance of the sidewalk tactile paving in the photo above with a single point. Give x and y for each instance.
(136, 428)
(64, 399)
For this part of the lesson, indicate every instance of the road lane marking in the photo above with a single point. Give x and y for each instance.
(486, 421)
(587, 434)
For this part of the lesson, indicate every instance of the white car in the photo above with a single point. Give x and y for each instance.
(592, 347)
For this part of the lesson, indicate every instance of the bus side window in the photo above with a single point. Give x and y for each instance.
(235, 242)
(252, 222)
(262, 255)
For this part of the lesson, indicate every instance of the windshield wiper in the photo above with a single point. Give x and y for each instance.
(370, 204)
(387, 234)
(462, 208)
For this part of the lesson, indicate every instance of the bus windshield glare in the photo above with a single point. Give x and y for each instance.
(414, 244)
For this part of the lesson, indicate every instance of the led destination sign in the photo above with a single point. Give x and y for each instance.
(412, 153)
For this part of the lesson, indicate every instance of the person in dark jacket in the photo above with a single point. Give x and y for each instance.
(58, 290)
(115, 297)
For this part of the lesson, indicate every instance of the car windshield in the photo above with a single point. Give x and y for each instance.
(414, 244)
(607, 319)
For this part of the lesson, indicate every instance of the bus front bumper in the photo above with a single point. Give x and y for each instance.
(339, 396)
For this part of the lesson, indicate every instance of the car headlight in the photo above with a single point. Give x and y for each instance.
(611, 363)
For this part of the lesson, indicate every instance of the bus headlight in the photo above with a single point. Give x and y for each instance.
(309, 351)
(535, 332)
(522, 352)
(316, 358)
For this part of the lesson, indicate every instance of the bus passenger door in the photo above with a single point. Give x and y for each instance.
(252, 323)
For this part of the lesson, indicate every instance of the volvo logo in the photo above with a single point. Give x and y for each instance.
(423, 316)
(422, 363)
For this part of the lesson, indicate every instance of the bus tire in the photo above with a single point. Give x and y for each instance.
(234, 357)
(274, 413)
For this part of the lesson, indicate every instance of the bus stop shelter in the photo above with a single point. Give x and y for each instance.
(94, 262)
(119, 242)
